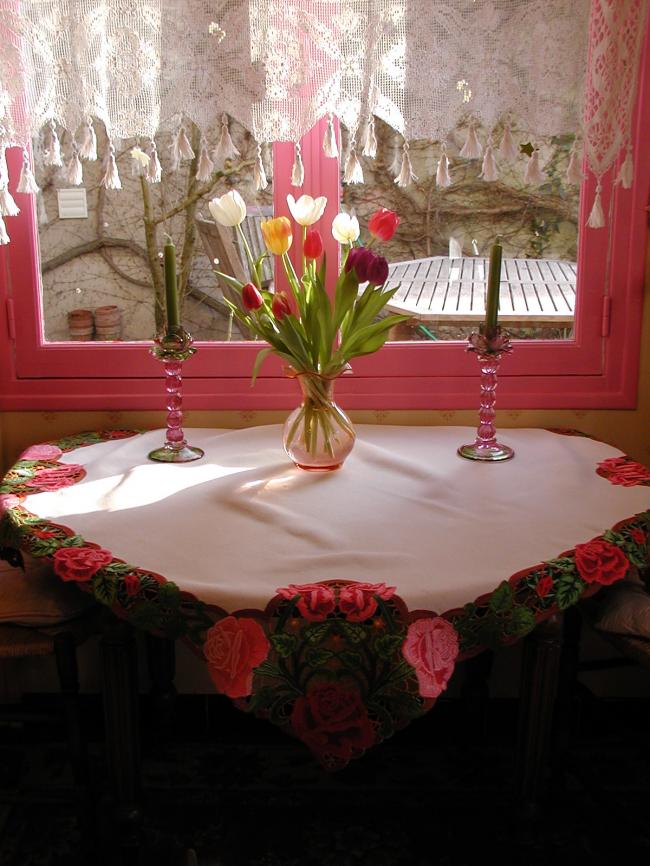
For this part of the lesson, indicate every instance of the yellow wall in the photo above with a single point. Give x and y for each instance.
(627, 429)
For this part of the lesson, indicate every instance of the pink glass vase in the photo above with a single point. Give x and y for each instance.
(318, 435)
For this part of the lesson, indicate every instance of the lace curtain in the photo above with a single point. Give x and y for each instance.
(425, 67)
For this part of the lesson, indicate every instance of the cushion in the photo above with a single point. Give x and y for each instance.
(624, 608)
(36, 596)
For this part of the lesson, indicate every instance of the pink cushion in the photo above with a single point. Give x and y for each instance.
(624, 609)
(37, 596)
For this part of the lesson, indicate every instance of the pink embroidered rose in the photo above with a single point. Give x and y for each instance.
(544, 585)
(623, 471)
(357, 600)
(132, 584)
(599, 561)
(333, 721)
(80, 563)
(54, 479)
(431, 647)
(7, 501)
(315, 601)
(232, 648)
(41, 452)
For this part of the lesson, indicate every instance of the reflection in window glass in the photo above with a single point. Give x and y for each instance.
(100, 271)
(439, 254)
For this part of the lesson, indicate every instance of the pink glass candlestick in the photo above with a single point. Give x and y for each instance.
(172, 349)
(488, 352)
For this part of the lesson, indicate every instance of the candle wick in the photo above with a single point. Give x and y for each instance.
(168, 239)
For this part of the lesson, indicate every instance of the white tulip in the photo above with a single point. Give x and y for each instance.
(229, 209)
(307, 210)
(345, 228)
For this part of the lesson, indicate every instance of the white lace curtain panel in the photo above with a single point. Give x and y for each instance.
(425, 67)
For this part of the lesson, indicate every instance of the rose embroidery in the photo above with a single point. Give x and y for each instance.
(638, 535)
(80, 563)
(131, 584)
(54, 479)
(234, 646)
(623, 471)
(7, 501)
(41, 452)
(357, 600)
(599, 561)
(544, 585)
(431, 647)
(332, 720)
(315, 602)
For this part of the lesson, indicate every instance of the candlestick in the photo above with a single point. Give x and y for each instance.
(171, 291)
(493, 286)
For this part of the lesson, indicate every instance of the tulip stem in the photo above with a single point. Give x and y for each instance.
(251, 260)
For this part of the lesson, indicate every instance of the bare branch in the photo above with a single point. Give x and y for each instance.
(93, 246)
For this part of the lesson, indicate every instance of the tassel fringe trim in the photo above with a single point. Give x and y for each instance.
(298, 170)
(330, 147)
(597, 217)
(443, 177)
(27, 181)
(111, 177)
(370, 139)
(353, 172)
(406, 175)
(225, 149)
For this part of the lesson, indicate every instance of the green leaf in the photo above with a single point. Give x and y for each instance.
(350, 660)
(352, 631)
(230, 281)
(501, 599)
(318, 657)
(388, 644)
(44, 546)
(568, 590)
(405, 706)
(145, 616)
(259, 359)
(522, 621)
(284, 644)
(317, 632)
(268, 669)
(73, 541)
(345, 294)
(105, 587)
(169, 595)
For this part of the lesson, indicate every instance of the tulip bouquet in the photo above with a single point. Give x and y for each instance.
(315, 334)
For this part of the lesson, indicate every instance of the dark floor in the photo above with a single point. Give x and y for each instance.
(237, 792)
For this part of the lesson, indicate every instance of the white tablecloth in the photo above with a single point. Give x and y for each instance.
(404, 510)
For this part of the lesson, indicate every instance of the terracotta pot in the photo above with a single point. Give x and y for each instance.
(108, 323)
(80, 325)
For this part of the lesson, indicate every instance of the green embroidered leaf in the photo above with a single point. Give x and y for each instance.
(350, 659)
(388, 644)
(169, 595)
(354, 632)
(568, 590)
(318, 657)
(562, 563)
(119, 569)
(614, 537)
(44, 546)
(262, 698)
(105, 587)
(145, 616)
(267, 669)
(522, 621)
(406, 706)
(73, 541)
(470, 608)
(501, 598)
(386, 726)
(317, 632)
(284, 644)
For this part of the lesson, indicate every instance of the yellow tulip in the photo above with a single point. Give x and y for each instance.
(277, 235)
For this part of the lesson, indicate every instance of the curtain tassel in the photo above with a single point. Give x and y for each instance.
(508, 149)
(370, 139)
(597, 217)
(353, 172)
(27, 181)
(574, 168)
(154, 169)
(259, 174)
(88, 143)
(8, 206)
(181, 148)
(406, 175)
(472, 148)
(52, 150)
(298, 170)
(225, 149)
(73, 170)
(534, 174)
(111, 177)
(626, 171)
(443, 178)
(205, 168)
(489, 170)
(330, 148)
(4, 237)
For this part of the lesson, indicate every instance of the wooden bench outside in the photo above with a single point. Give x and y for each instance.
(452, 291)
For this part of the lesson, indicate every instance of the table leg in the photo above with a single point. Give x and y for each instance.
(161, 660)
(538, 690)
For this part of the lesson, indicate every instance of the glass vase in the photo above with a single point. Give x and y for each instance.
(318, 435)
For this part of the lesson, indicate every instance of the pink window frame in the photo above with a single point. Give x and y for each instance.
(598, 369)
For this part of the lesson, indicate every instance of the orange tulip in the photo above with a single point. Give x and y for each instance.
(277, 235)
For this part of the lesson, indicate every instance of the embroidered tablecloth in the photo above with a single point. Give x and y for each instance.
(336, 605)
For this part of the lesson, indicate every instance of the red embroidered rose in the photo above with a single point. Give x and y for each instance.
(638, 535)
(431, 647)
(357, 600)
(41, 452)
(332, 721)
(232, 648)
(53, 479)
(315, 602)
(132, 584)
(544, 585)
(599, 561)
(43, 534)
(7, 501)
(623, 471)
(80, 563)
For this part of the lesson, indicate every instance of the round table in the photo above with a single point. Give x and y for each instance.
(334, 604)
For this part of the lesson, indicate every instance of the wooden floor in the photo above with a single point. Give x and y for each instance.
(444, 290)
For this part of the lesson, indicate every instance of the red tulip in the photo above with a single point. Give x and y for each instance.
(251, 298)
(313, 246)
(280, 306)
(383, 223)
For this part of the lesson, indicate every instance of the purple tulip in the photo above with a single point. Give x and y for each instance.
(377, 271)
(360, 259)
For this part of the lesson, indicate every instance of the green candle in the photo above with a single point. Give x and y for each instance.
(171, 293)
(494, 283)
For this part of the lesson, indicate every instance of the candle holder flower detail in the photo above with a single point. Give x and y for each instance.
(313, 333)
(488, 351)
(173, 348)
